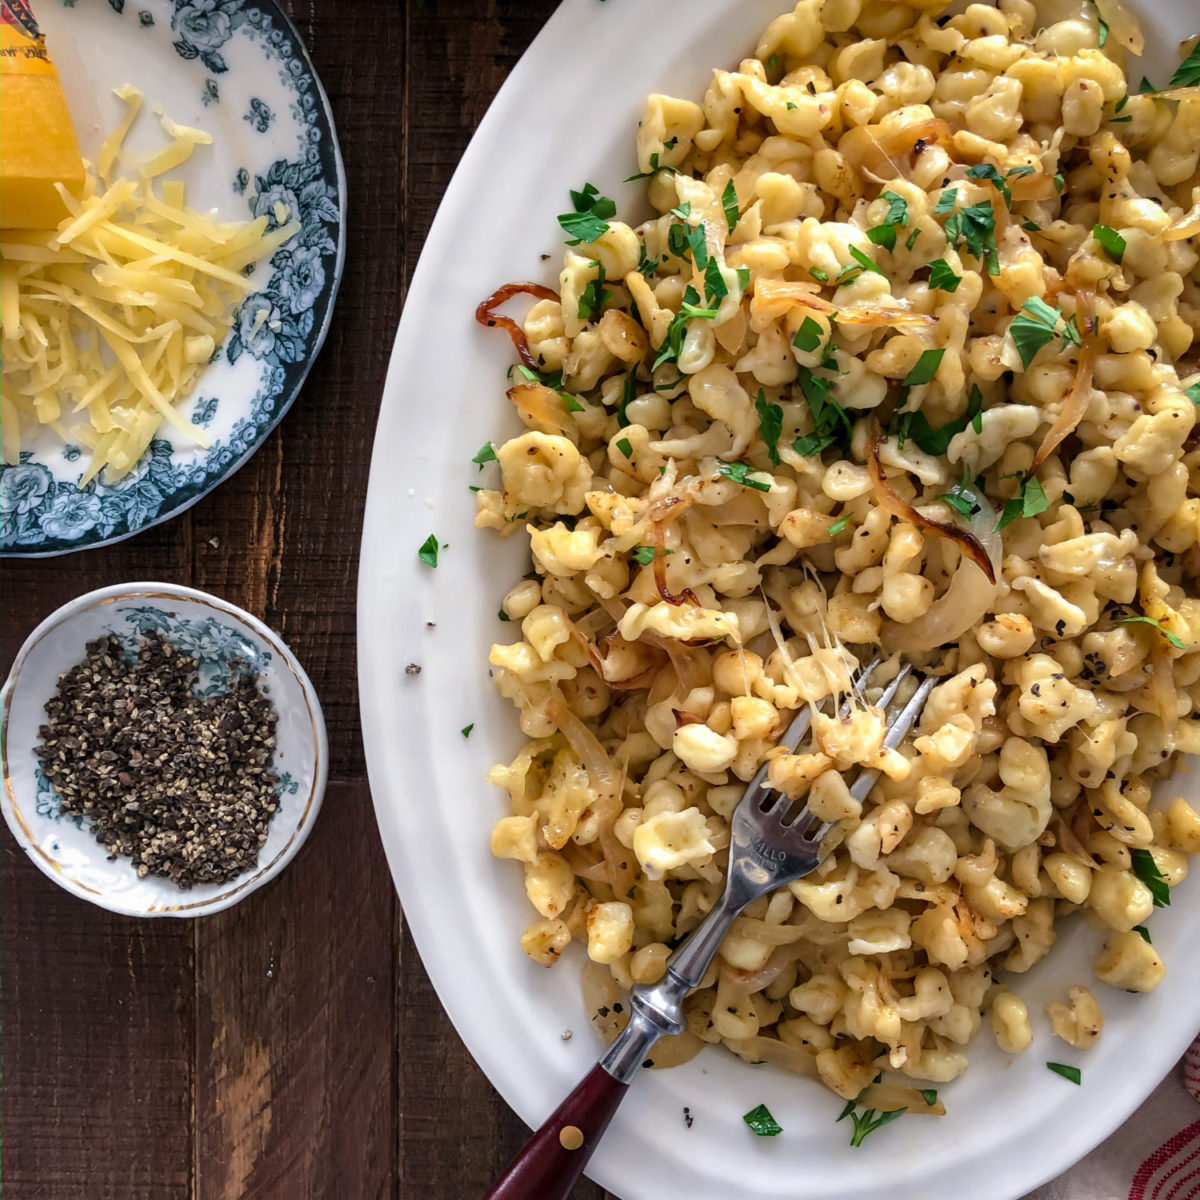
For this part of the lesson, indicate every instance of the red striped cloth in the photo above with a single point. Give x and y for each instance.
(1155, 1155)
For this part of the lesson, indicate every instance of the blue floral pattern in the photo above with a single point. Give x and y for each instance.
(278, 328)
(259, 115)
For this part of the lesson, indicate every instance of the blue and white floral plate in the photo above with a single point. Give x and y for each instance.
(217, 634)
(238, 70)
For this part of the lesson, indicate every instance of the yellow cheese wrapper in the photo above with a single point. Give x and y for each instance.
(37, 140)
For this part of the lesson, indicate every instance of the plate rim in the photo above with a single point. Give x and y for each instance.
(36, 550)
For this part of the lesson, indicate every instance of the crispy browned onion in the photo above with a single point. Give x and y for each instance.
(485, 314)
(888, 498)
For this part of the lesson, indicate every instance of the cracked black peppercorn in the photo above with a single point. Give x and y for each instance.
(180, 783)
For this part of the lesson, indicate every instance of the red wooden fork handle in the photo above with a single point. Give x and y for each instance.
(553, 1159)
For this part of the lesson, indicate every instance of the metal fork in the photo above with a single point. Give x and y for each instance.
(773, 840)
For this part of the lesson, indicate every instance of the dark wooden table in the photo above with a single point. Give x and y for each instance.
(293, 1047)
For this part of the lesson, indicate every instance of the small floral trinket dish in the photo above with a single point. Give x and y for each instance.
(238, 70)
(222, 638)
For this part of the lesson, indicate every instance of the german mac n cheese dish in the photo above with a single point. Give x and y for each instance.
(902, 366)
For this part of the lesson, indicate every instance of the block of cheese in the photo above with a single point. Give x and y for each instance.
(37, 140)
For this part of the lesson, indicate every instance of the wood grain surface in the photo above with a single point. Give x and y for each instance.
(292, 1047)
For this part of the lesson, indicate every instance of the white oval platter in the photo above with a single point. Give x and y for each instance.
(568, 114)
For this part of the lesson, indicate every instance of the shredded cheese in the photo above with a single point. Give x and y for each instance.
(107, 321)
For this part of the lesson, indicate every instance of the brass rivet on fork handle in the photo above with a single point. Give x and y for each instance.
(771, 843)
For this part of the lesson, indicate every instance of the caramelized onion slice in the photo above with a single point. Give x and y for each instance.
(747, 982)
(542, 405)
(963, 604)
(486, 315)
(1078, 399)
(773, 296)
(880, 150)
(1123, 27)
(888, 498)
(1185, 226)
(586, 747)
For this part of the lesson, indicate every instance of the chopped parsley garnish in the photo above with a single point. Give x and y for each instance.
(485, 454)
(592, 298)
(1030, 501)
(839, 525)
(672, 344)
(1030, 226)
(1188, 72)
(912, 239)
(929, 1095)
(739, 472)
(1146, 87)
(1146, 870)
(770, 425)
(831, 421)
(1110, 240)
(627, 394)
(883, 235)
(808, 337)
(926, 367)
(1102, 32)
(819, 275)
(647, 266)
(655, 167)
(865, 261)
(645, 554)
(867, 1122)
(428, 553)
(762, 1123)
(682, 238)
(682, 211)
(1143, 933)
(1035, 326)
(1019, 172)
(693, 309)
(975, 408)
(812, 443)
(942, 276)
(1193, 393)
(961, 502)
(503, 616)
(992, 175)
(946, 201)
(466, 729)
(589, 221)
(916, 425)
(976, 226)
(715, 288)
(1060, 182)
(624, 447)
(743, 278)
(1074, 1074)
(729, 202)
(897, 213)
(773, 62)
(1173, 638)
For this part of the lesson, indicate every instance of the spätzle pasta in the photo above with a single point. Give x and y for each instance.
(900, 367)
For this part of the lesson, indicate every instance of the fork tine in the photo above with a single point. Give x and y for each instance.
(904, 721)
(799, 726)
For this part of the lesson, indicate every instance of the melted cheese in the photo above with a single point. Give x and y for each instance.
(107, 321)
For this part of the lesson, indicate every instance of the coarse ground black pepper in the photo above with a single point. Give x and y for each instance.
(180, 783)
